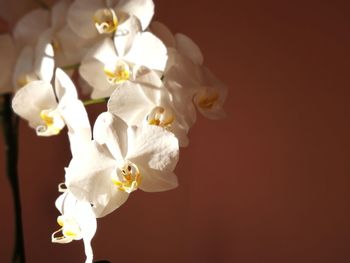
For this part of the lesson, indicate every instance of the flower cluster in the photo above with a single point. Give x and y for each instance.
(153, 81)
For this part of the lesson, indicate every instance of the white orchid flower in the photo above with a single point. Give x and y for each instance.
(35, 35)
(40, 29)
(207, 92)
(191, 84)
(7, 60)
(36, 103)
(89, 18)
(34, 64)
(35, 60)
(148, 101)
(201, 91)
(210, 97)
(77, 221)
(110, 64)
(69, 47)
(120, 160)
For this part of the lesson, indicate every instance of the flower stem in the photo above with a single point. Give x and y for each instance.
(69, 67)
(10, 132)
(96, 101)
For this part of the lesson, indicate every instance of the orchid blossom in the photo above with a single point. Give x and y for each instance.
(109, 64)
(90, 18)
(36, 102)
(191, 84)
(120, 160)
(151, 104)
(77, 221)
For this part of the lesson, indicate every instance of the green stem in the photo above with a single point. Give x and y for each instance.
(69, 67)
(10, 132)
(96, 101)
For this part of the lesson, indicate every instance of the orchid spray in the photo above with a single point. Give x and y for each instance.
(152, 82)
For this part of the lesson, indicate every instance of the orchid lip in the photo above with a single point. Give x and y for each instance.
(52, 123)
(70, 230)
(105, 20)
(118, 73)
(160, 116)
(207, 100)
(131, 177)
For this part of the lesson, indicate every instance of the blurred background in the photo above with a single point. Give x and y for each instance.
(268, 184)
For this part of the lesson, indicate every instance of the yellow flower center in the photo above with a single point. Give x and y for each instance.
(118, 73)
(131, 178)
(208, 100)
(160, 116)
(105, 21)
(53, 123)
(70, 230)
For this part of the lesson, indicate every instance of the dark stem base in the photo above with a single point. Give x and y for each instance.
(10, 131)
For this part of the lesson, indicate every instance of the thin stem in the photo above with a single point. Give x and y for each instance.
(96, 101)
(10, 132)
(69, 67)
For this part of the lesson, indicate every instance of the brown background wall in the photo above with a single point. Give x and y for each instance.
(268, 184)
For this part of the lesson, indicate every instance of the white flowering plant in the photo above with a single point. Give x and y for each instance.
(152, 82)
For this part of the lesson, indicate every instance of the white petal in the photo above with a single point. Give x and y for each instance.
(211, 85)
(80, 17)
(92, 68)
(129, 103)
(189, 49)
(77, 121)
(64, 86)
(104, 51)
(148, 51)
(44, 62)
(71, 48)
(24, 65)
(31, 26)
(164, 33)
(187, 66)
(89, 178)
(142, 9)
(112, 131)
(92, 71)
(59, 14)
(82, 213)
(87, 221)
(149, 78)
(125, 35)
(182, 88)
(84, 86)
(180, 132)
(154, 147)
(30, 100)
(7, 61)
(157, 181)
(60, 201)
